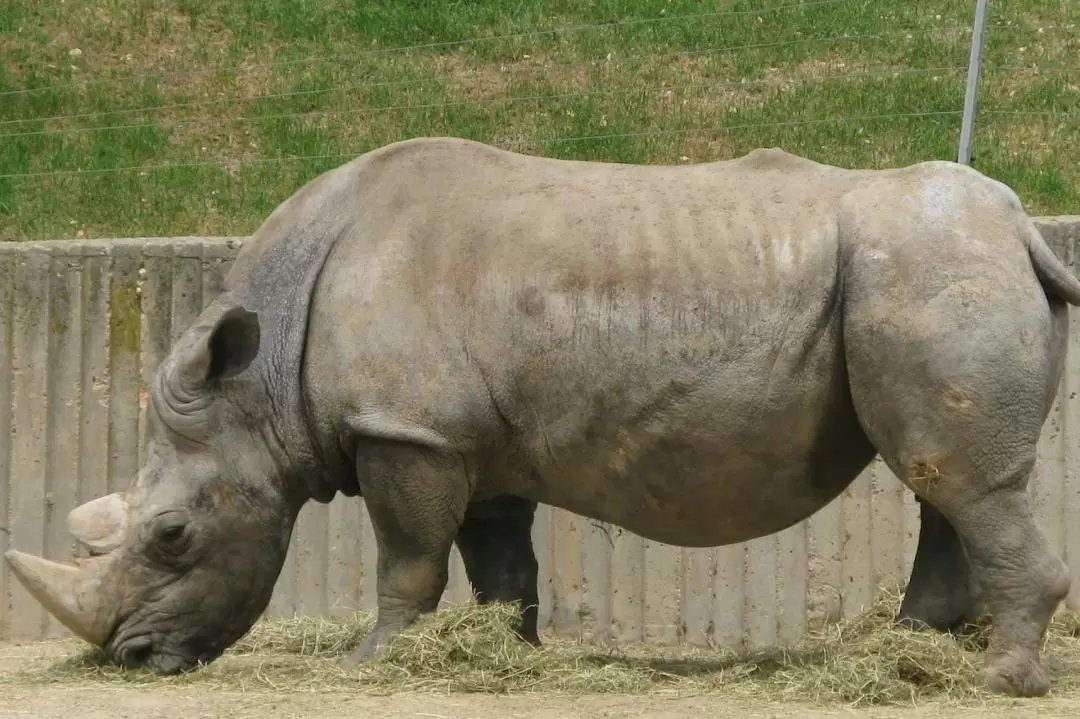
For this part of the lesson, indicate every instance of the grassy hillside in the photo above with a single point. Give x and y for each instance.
(154, 117)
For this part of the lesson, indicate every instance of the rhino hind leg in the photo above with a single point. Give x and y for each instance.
(940, 594)
(980, 486)
(952, 376)
(416, 499)
(496, 547)
(973, 464)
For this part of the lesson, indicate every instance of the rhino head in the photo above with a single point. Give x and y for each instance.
(183, 563)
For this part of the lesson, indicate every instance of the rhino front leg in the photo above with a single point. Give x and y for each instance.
(416, 499)
(496, 547)
(939, 594)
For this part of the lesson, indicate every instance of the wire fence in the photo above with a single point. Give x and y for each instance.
(189, 143)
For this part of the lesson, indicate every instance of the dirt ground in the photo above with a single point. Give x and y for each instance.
(193, 702)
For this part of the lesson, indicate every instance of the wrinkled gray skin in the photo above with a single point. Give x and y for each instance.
(699, 354)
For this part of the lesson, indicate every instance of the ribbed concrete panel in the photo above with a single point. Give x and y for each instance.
(83, 324)
(7, 427)
(28, 514)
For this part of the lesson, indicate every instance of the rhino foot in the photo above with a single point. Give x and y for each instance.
(375, 647)
(1016, 673)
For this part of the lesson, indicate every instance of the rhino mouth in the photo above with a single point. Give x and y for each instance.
(133, 653)
(134, 647)
(141, 652)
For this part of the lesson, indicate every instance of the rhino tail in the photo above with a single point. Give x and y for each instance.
(1051, 271)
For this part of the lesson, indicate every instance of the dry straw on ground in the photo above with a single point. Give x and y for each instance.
(866, 660)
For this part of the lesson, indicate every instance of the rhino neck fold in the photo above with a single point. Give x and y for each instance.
(276, 274)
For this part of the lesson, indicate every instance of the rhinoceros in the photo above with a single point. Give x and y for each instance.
(700, 354)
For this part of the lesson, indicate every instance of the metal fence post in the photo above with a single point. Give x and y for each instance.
(967, 124)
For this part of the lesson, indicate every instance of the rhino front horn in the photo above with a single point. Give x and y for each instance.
(100, 525)
(71, 594)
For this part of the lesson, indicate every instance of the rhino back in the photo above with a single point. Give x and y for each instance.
(621, 341)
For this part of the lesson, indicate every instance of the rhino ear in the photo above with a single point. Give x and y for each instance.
(219, 349)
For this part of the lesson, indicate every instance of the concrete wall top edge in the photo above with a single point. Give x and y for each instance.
(181, 246)
(1061, 231)
(1057, 218)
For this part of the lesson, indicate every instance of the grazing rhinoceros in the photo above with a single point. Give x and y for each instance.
(700, 354)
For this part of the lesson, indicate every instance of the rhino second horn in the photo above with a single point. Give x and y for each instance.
(71, 594)
(99, 525)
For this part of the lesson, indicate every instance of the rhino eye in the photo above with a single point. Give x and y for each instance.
(172, 532)
(169, 535)
(172, 537)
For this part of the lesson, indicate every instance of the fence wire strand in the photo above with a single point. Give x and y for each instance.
(1064, 114)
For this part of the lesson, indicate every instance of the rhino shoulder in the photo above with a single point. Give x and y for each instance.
(424, 151)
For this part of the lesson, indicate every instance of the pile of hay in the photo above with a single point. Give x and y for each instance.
(468, 648)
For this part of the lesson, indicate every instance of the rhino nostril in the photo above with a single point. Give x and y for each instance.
(136, 653)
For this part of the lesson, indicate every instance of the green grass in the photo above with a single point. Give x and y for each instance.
(241, 102)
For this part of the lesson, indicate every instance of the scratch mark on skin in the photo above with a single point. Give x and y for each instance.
(924, 475)
(506, 425)
(773, 366)
(544, 436)
(957, 398)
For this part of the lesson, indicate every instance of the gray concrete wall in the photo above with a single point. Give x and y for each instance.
(83, 323)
